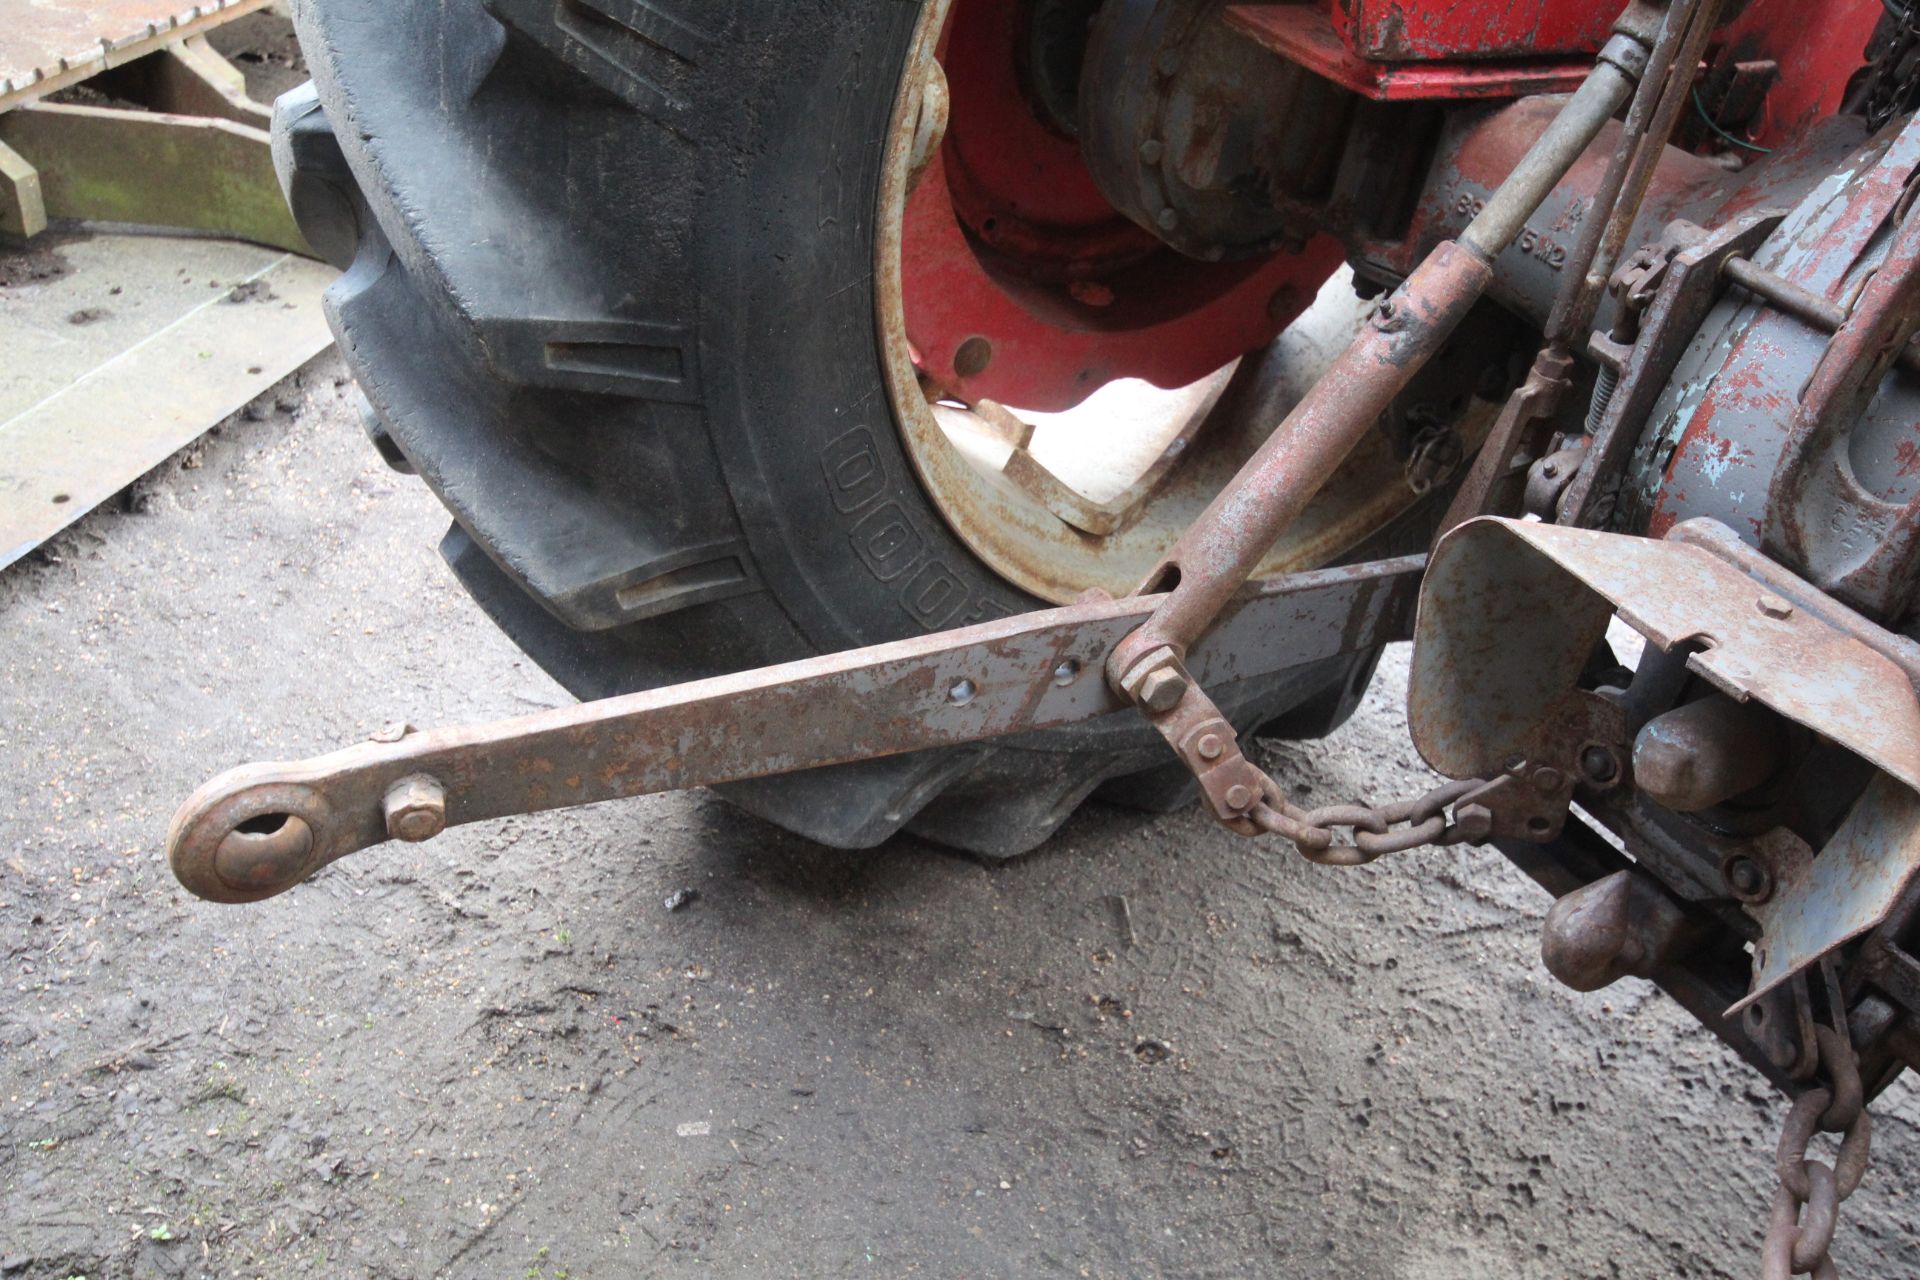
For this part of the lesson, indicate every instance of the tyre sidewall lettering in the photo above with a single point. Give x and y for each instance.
(886, 540)
(838, 523)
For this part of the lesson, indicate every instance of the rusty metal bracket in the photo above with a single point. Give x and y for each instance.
(1686, 282)
(1509, 612)
(1215, 558)
(1819, 513)
(258, 830)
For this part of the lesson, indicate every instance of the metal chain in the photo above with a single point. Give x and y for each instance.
(1806, 1208)
(1425, 821)
(1892, 82)
(1435, 455)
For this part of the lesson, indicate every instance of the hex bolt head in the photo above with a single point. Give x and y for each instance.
(1151, 151)
(1775, 607)
(1167, 219)
(1748, 879)
(1599, 765)
(1210, 746)
(1548, 779)
(1161, 690)
(1239, 797)
(416, 809)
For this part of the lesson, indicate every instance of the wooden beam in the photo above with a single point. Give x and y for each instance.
(100, 164)
(23, 213)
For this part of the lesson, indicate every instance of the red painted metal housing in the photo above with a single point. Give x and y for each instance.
(1816, 60)
(1308, 35)
(1023, 285)
(1434, 30)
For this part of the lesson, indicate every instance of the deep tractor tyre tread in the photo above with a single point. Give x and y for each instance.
(609, 292)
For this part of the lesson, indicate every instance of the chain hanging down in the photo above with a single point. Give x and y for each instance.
(1806, 1208)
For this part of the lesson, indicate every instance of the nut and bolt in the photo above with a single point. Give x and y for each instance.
(1161, 690)
(1747, 879)
(1548, 779)
(1210, 747)
(1151, 151)
(1239, 797)
(1599, 764)
(416, 809)
(1775, 607)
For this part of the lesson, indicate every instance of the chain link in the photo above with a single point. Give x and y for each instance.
(1891, 84)
(1806, 1208)
(1424, 821)
(1435, 454)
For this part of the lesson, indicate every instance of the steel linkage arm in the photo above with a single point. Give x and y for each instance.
(259, 830)
(1214, 559)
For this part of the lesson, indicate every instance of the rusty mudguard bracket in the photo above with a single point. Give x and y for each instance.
(1511, 611)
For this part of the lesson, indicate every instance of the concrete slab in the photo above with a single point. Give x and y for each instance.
(119, 350)
(1150, 1049)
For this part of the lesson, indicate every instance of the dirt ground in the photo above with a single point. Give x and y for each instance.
(1148, 1049)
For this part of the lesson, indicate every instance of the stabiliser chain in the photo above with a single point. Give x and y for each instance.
(261, 829)
(1214, 559)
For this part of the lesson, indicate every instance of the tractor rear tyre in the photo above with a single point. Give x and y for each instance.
(609, 290)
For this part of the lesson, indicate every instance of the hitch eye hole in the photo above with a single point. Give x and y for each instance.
(961, 693)
(265, 824)
(1067, 672)
(1539, 826)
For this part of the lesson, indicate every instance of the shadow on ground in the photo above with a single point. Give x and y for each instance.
(1150, 1049)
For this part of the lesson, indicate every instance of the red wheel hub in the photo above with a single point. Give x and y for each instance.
(1022, 284)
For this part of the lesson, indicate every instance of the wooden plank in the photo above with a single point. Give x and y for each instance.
(23, 211)
(147, 168)
(49, 45)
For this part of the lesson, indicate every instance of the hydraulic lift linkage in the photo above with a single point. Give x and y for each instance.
(1507, 615)
(260, 829)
